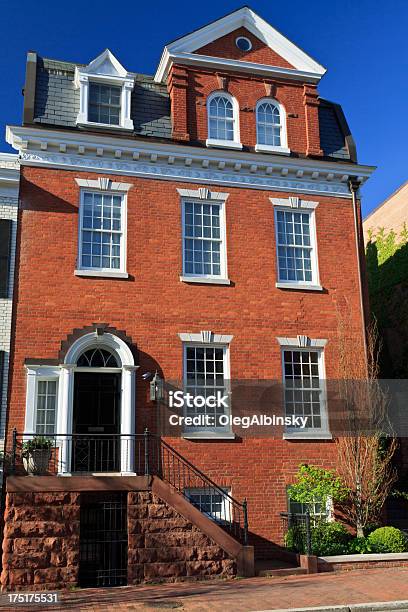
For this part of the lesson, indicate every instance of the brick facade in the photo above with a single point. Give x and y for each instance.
(153, 306)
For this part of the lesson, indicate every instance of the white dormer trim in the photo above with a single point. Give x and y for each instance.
(257, 26)
(108, 70)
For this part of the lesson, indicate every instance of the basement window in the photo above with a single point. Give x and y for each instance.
(213, 503)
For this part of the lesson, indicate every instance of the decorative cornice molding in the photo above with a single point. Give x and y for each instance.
(169, 161)
(206, 337)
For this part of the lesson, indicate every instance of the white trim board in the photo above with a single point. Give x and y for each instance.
(247, 18)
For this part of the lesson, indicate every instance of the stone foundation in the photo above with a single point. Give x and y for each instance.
(164, 546)
(41, 541)
(41, 545)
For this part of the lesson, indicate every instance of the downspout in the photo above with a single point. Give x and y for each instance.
(354, 186)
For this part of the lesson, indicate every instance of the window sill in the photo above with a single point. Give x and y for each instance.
(299, 286)
(101, 273)
(208, 435)
(308, 435)
(223, 144)
(262, 148)
(104, 126)
(205, 279)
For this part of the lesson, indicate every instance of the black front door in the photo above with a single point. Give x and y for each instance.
(96, 443)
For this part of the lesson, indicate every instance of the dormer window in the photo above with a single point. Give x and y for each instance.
(223, 122)
(105, 89)
(271, 134)
(104, 103)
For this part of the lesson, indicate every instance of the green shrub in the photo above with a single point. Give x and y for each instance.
(388, 540)
(359, 546)
(328, 538)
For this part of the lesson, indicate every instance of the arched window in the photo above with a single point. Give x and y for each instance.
(97, 358)
(222, 111)
(271, 126)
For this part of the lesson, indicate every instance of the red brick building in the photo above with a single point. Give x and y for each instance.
(203, 223)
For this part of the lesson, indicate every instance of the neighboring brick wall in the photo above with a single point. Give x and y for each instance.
(359, 565)
(41, 541)
(153, 306)
(8, 210)
(164, 546)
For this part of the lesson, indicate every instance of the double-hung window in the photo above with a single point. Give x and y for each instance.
(206, 378)
(271, 127)
(104, 103)
(304, 388)
(102, 245)
(204, 252)
(223, 121)
(318, 511)
(296, 248)
(46, 407)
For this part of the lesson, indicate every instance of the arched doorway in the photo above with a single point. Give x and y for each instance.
(97, 406)
(96, 412)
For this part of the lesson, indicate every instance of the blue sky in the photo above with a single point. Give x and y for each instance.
(362, 43)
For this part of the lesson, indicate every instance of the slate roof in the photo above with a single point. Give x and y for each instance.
(57, 103)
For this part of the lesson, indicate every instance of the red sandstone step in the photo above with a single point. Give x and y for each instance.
(285, 571)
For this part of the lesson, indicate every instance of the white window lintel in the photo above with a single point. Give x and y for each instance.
(206, 337)
(302, 341)
(202, 193)
(103, 184)
(294, 202)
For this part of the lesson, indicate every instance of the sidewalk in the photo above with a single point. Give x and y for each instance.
(245, 595)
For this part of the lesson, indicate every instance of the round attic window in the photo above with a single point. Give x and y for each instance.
(243, 43)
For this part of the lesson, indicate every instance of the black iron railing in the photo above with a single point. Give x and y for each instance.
(298, 529)
(141, 454)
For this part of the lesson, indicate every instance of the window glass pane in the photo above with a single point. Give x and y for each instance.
(294, 246)
(104, 104)
(202, 239)
(220, 118)
(269, 124)
(211, 502)
(302, 385)
(46, 406)
(102, 214)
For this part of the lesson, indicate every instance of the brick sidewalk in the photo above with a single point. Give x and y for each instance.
(245, 595)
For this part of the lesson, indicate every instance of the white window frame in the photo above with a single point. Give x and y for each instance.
(219, 143)
(39, 379)
(105, 70)
(36, 374)
(305, 344)
(295, 204)
(223, 517)
(327, 514)
(206, 339)
(265, 148)
(204, 196)
(103, 186)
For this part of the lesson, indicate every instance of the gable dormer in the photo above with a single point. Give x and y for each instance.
(237, 83)
(105, 89)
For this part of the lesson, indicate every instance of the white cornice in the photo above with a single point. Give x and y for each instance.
(248, 19)
(169, 161)
(220, 63)
(9, 175)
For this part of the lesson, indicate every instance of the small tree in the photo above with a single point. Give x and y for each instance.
(367, 445)
(315, 484)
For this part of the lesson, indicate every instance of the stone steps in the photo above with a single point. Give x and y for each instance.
(284, 571)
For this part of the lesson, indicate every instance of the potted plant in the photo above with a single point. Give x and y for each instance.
(36, 455)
